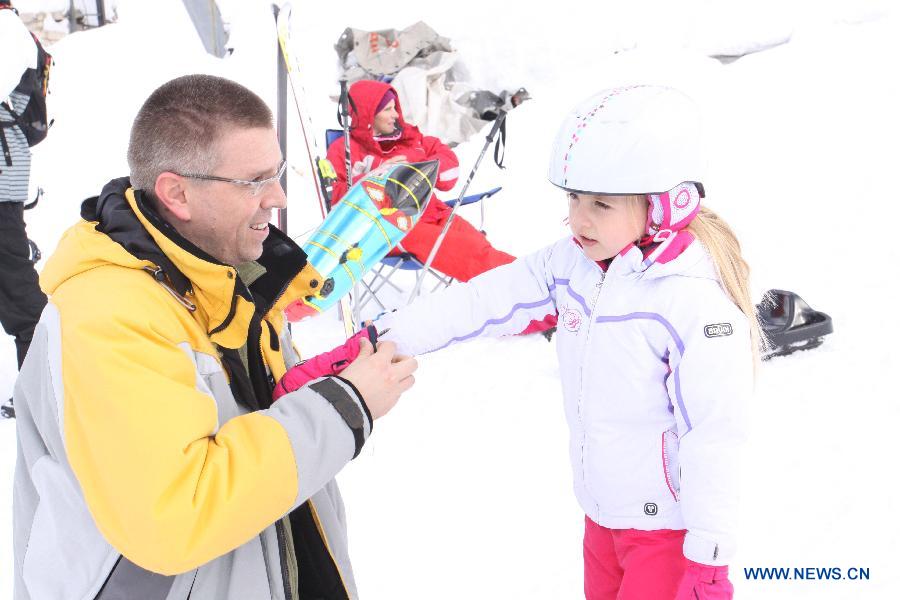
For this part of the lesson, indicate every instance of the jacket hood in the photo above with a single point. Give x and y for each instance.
(364, 98)
(119, 228)
(84, 246)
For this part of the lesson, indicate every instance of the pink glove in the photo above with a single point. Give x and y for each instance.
(327, 363)
(703, 582)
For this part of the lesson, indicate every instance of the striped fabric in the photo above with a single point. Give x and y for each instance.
(14, 179)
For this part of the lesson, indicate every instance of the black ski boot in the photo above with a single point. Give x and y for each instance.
(790, 324)
(7, 411)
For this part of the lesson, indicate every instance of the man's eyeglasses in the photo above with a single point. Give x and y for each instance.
(255, 186)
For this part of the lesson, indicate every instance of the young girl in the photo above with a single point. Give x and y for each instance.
(656, 344)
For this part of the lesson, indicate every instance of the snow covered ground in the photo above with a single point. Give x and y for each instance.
(464, 490)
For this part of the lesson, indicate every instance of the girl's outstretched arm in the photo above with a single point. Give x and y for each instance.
(502, 301)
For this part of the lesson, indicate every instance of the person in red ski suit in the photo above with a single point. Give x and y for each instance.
(379, 135)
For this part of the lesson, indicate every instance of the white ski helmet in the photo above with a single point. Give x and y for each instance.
(641, 139)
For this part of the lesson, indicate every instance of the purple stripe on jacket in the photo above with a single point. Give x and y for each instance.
(571, 292)
(520, 306)
(501, 320)
(678, 344)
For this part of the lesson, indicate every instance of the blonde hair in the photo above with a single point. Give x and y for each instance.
(722, 244)
(637, 209)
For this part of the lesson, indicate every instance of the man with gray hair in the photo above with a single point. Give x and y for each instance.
(152, 461)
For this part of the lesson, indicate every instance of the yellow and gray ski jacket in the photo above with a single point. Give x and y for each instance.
(151, 462)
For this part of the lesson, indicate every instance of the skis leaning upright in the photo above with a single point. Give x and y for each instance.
(282, 22)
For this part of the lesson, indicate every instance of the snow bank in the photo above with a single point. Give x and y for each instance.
(464, 490)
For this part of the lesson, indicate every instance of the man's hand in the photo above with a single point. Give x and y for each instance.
(380, 375)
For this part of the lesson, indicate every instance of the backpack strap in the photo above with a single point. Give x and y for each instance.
(16, 122)
(6, 153)
(16, 116)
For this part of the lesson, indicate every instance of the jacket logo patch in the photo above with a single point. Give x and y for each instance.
(718, 330)
(571, 320)
(650, 509)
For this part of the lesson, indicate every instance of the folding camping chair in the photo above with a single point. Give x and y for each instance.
(390, 265)
(404, 261)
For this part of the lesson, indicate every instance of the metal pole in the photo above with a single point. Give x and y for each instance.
(101, 13)
(345, 123)
(348, 166)
(282, 122)
(72, 22)
(501, 116)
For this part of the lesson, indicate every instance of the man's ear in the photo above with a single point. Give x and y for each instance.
(171, 192)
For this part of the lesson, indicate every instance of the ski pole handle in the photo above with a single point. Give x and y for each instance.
(498, 122)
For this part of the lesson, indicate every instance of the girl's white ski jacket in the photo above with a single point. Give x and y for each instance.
(656, 368)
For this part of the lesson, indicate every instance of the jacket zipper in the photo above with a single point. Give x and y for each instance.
(587, 341)
(282, 555)
(262, 354)
(193, 581)
(108, 576)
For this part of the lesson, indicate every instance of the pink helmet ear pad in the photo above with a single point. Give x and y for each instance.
(673, 210)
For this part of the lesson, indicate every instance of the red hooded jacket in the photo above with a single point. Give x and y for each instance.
(465, 251)
(367, 154)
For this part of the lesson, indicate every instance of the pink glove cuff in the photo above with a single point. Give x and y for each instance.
(328, 363)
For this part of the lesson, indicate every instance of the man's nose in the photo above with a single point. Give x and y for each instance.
(274, 196)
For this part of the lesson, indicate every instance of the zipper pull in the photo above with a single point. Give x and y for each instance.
(598, 286)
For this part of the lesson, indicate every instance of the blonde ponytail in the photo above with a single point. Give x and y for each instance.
(734, 273)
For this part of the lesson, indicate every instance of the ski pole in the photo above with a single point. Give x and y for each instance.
(345, 125)
(282, 21)
(282, 121)
(501, 117)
